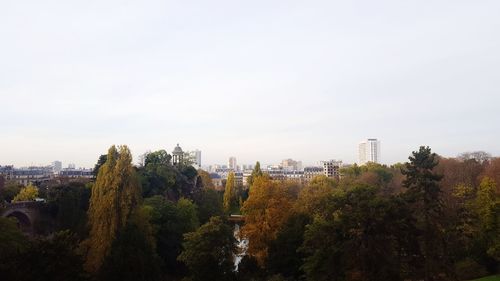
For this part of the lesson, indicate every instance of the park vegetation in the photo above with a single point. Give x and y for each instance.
(431, 218)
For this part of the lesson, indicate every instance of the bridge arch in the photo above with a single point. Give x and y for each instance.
(24, 222)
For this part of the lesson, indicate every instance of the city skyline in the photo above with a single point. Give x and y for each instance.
(223, 162)
(257, 80)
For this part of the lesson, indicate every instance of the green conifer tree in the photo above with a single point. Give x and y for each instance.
(115, 195)
(424, 194)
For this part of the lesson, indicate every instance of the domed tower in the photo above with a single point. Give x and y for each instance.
(177, 155)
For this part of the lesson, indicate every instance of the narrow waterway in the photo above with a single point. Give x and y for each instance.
(242, 246)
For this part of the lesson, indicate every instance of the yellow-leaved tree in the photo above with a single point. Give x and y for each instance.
(229, 193)
(115, 196)
(267, 208)
(28, 193)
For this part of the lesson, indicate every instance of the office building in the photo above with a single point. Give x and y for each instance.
(369, 151)
(56, 167)
(232, 163)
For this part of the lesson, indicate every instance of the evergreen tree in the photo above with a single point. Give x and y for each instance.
(115, 195)
(424, 195)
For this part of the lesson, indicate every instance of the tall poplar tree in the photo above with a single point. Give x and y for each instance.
(229, 193)
(257, 172)
(115, 195)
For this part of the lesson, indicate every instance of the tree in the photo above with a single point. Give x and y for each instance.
(209, 251)
(157, 176)
(98, 165)
(209, 202)
(28, 193)
(230, 196)
(257, 172)
(487, 206)
(115, 195)
(54, 258)
(267, 208)
(358, 240)
(284, 257)
(132, 256)
(69, 205)
(314, 198)
(424, 194)
(170, 222)
(206, 179)
(10, 190)
(12, 239)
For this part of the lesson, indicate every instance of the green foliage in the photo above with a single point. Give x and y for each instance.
(424, 193)
(10, 190)
(283, 256)
(356, 242)
(170, 222)
(28, 193)
(12, 240)
(157, 176)
(102, 159)
(209, 251)
(50, 259)
(209, 202)
(115, 196)
(157, 158)
(132, 257)
(189, 171)
(68, 205)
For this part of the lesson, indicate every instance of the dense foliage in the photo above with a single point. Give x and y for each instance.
(432, 218)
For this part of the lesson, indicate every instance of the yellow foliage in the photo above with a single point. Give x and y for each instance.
(28, 193)
(115, 195)
(266, 210)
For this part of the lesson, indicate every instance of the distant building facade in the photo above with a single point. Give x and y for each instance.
(76, 173)
(291, 165)
(27, 175)
(232, 163)
(369, 151)
(56, 167)
(312, 172)
(197, 157)
(331, 168)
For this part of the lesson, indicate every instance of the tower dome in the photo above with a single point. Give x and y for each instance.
(177, 155)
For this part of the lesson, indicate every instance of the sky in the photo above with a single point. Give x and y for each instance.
(258, 80)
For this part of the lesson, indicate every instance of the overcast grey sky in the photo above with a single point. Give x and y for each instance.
(260, 80)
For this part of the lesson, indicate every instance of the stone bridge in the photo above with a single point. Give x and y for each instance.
(26, 213)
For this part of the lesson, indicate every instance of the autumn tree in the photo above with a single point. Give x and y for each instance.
(257, 172)
(115, 195)
(230, 196)
(206, 179)
(28, 193)
(487, 206)
(266, 210)
(424, 194)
